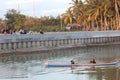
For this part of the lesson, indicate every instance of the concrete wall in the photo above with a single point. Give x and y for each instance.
(56, 39)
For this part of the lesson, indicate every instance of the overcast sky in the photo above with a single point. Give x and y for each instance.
(35, 7)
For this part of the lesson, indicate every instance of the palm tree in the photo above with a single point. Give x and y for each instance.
(111, 13)
(117, 15)
(68, 17)
(102, 12)
(77, 9)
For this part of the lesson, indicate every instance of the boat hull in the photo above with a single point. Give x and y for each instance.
(77, 65)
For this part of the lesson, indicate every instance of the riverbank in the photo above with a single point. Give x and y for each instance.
(28, 43)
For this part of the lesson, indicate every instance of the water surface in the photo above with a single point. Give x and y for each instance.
(31, 66)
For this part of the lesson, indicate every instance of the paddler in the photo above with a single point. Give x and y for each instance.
(72, 62)
(72, 65)
(93, 61)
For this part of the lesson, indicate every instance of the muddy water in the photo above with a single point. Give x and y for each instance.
(32, 67)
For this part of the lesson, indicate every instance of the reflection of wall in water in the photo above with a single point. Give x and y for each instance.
(106, 74)
(100, 53)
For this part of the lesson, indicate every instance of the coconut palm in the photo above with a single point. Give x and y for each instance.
(104, 13)
(112, 13)
(77, 9)
(117, 5)
(68, 17)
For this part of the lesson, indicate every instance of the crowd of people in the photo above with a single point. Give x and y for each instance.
(7, 31)
(21, 31)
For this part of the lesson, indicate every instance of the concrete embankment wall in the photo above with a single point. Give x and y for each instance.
(50, 40)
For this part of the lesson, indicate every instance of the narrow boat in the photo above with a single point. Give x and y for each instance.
(77, 65)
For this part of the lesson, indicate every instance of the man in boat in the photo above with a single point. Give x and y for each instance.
(72, 65)
(93, 61)
(72, 62)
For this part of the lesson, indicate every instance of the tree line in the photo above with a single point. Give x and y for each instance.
(15, 20)
(94, 14)
(91, 15)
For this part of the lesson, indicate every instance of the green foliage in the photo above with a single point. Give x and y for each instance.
(14, 19)
(91, 14)
(46, 28)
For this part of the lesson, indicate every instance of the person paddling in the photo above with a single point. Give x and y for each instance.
(72, 64)
(93, 61)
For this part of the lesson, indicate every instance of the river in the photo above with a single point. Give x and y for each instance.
(31, 66)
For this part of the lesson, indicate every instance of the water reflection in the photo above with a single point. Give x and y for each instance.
(106, 74)
(24, 66)
(111, 52)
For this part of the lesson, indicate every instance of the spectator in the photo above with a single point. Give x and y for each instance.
(21, 31)
(41, 32)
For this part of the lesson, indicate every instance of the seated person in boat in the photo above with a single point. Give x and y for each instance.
(72, 62)
(93, 61)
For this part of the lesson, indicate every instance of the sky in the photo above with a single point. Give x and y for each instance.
(36, 8)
